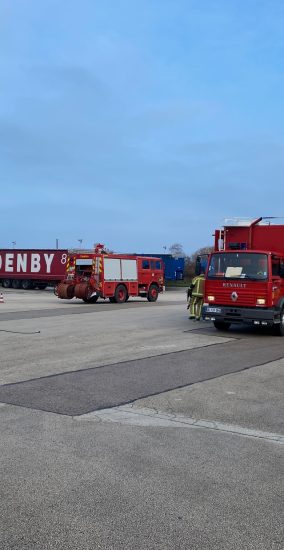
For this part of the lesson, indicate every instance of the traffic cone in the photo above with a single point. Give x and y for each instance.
(1, 298)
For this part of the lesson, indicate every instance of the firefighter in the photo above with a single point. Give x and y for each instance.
(195, 297)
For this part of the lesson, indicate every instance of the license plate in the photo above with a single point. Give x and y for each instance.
(213, 310)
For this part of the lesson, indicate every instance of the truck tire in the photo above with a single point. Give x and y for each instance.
(221, 325)
(92, 300)
(16, 283)
(26, 284)
(153, 293)
(41, 286)
(279, 329)
(120, 294)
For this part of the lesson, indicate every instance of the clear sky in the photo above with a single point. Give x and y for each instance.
(138, 123)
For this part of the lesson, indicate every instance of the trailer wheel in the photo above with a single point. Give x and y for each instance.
(6, 283)
(26, 284)
(221, 325)
(42, 286)
(16, 284)
(153, 293)
(279, 329)
(120, 294)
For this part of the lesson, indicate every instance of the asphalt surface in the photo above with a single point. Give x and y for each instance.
(83, 391)
(79, 485)
(78, 309)
(74, 479)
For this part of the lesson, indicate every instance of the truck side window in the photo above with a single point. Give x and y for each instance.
(276, 268)
(145, 264)
(155, 264)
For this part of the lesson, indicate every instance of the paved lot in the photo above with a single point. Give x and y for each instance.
(192, 462)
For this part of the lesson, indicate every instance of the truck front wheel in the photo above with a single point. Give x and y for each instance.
(279, 329)
(221, 325)
(153, 293)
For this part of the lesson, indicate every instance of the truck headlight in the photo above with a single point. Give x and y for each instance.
(211, 298)
(261, 301)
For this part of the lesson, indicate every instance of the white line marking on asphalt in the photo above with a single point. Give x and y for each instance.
(126, 414)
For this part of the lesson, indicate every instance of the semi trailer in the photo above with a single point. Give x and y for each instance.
(28, 268)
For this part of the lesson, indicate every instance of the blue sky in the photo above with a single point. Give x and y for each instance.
(138, 123)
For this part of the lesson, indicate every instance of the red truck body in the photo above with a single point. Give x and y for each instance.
(32, 268)
(244, 280)
(114, 276)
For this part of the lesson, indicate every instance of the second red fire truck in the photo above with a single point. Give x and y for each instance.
(244, 280)
(112, 276)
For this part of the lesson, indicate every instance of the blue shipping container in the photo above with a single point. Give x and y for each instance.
(174, 267)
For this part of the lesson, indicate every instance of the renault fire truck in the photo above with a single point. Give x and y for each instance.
(113, 276)
(244, 280)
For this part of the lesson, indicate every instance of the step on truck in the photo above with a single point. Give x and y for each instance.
(244, 280)
(32, 268)
(113, 276)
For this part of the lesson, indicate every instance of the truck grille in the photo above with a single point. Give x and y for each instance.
(246, 297)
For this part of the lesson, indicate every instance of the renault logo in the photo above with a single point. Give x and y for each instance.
(234, 296)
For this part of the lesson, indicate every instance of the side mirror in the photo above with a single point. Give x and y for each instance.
(198, 266)
(201, 264)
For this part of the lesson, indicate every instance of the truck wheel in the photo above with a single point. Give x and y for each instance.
(6, 283)
(153, 293)
(279, 329)
(120, 294)
(16, 284)
(221, 325)
(26, 284)
(92, 300)
(41, 286)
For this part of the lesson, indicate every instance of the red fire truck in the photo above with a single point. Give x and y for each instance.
(112, 276)
(244, 281)
(32, 268)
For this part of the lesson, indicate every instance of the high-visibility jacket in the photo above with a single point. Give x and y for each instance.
(198, 286)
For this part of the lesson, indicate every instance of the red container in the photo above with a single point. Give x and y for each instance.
(30, 268)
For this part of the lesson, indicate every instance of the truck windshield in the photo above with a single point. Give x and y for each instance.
(238, 265)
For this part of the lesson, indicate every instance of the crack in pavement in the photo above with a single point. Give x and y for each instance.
(154, 418)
